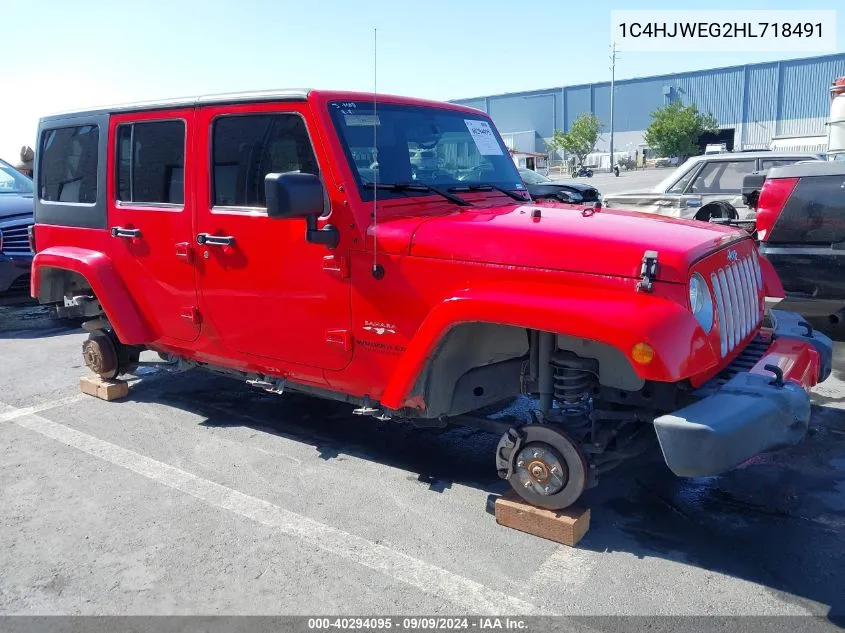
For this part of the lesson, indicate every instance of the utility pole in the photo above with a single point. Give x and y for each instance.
(612, 90)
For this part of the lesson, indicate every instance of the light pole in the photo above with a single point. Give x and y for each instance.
(612, 90)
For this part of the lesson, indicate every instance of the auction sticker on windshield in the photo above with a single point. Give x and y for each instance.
(485, 139)
(368, 120)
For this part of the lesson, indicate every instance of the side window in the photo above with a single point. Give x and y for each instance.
(768, 163)
(722, 176)
(151, 162)
(681, 185)
(68, 165)
(246, 148)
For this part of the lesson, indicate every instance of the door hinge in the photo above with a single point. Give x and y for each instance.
(185, 252)
(339, 337)
(191, 314)
(336, 265)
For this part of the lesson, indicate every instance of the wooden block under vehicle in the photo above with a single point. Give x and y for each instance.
(104, 389)
(562, 526)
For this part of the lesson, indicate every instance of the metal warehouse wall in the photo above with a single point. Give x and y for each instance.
(760, 101)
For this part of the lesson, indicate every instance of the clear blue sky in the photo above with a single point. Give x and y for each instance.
(75, 53)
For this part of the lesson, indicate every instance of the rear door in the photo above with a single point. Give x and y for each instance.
(150, 216)
(722, 180)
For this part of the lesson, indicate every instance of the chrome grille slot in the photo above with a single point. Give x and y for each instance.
(720, 311)
(736, 293)
(745, 269)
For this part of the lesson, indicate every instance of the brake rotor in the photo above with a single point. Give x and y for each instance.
(100, 354)
(546, 467)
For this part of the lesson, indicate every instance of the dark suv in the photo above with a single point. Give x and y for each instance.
(16, 209)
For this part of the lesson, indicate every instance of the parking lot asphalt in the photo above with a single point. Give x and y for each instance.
(198, 495)
(635, 180)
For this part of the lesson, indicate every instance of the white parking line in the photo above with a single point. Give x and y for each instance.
(9, 413)
(443, 584)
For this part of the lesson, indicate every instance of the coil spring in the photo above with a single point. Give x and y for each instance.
(575, 378)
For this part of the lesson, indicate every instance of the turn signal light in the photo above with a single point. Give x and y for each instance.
(643, 353)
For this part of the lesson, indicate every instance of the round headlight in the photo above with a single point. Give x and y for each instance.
(701, 302)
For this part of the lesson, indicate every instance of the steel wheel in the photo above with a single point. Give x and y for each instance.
(547, 469)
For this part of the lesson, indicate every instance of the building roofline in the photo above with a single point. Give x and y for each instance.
(686, 73)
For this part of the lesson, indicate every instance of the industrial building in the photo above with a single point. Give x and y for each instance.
(755, 104)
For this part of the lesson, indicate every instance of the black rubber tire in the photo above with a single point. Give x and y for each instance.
(717, 209)
(574, 459)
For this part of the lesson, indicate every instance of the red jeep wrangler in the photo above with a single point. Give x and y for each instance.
(299, 241)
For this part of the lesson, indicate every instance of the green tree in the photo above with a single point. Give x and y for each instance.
(675, 129)
(581, 138)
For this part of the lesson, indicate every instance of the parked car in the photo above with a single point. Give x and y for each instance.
(425, 302)
(801, 228)
(16, 209)
(542, 188)
(666, 161)
(703, 179)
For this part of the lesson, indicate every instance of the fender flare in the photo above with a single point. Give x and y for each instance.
(617, 318)
(111, 292)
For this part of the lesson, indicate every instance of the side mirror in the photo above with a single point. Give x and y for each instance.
(293, 195)
(300, 195)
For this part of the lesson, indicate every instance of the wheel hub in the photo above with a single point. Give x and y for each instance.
(540, 470)
(99, 355)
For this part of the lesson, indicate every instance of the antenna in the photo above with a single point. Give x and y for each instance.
(378, 269)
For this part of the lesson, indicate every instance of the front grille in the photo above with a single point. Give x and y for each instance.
(14, 239)
(736, 290)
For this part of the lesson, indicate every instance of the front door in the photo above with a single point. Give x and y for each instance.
(150, 214)
(267, 292)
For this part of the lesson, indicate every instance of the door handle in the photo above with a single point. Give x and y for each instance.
(119, 231)
(215, 240)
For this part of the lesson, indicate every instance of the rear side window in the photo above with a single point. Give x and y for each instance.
(768, 163)
(151, 162)
(68, 165)
(247, 148)
(722, 177)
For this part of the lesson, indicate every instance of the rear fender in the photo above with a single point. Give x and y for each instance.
(98, 271)
(619, 319)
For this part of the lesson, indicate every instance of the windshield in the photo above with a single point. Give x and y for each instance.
(13, 181)
(428, 146)
(672, 178)
(530, 177)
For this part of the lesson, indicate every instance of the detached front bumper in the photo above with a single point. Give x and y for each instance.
(759, 403)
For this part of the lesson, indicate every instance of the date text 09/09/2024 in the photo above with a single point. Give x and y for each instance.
(417, 623)
(721, 29)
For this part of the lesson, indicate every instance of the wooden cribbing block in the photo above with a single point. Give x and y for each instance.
(562, 526)
(104, 389)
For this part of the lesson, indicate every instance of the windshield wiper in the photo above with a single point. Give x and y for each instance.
(486, 186)
(418, 186)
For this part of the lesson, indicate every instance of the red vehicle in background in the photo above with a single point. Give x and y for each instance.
(292, 240)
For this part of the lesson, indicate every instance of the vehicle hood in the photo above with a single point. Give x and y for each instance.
(12, 204)
(565, 238)
(563, 184)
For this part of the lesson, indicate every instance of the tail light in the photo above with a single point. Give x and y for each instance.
(31, 235)
(773, 197)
